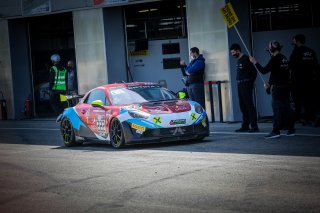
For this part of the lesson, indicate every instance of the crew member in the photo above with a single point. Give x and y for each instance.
(57, 84)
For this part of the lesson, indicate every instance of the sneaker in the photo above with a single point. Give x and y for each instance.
(242, 130)
(272, 135)
(254, 129)
(291, 133)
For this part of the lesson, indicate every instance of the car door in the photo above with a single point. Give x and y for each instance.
(95, 117)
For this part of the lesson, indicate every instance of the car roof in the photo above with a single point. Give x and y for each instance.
(130, 84)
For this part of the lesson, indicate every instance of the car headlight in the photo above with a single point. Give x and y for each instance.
(199, 109)
(138, 114)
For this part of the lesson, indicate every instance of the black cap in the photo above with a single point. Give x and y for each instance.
(235, 46)
(301, 38)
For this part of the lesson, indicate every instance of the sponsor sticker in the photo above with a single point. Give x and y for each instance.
(180, 108)
(204, 123)
(178, 131)
(157, 120)
(178, 121)
(138, 127)
(193, 116)
(139, 132)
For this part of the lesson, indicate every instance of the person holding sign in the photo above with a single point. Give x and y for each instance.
(246, 76)
(279, 82)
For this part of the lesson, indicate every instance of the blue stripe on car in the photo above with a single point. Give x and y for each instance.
(74, 118)
(144, 123)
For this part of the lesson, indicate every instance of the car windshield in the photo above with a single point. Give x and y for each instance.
(139, 94)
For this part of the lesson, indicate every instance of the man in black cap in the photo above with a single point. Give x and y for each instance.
(303, 64)
(279, 82)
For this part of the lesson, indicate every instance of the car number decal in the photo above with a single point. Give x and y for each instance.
(101, 125)
(157, 120)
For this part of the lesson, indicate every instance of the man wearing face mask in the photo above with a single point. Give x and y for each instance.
(195, 76)
(279, 82)
(303, 64)
(246, 76)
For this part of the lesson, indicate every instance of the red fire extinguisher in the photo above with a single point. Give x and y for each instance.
(28, 108)
(3, 108)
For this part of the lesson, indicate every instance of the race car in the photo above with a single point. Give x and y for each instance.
(136, 112)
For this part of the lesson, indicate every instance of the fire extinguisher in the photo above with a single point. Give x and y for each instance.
(27, 108)
(3, 108)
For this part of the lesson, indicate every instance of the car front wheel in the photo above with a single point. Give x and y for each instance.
(67, 133)
(116, 134)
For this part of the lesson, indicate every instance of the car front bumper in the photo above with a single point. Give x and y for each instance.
(179, 133)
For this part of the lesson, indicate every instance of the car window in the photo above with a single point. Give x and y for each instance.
(122, 95)
(139, 94)
(97, 94)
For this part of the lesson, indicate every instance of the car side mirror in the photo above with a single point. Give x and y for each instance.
(97, 103)
(181, 94)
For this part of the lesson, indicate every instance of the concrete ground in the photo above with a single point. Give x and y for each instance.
(227, 172)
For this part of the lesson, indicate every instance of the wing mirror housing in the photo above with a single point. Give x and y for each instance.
(182, 95)
(97, 103)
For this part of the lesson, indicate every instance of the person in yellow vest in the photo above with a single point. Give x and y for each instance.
(57, 84)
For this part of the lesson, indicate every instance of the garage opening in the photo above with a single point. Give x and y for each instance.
(51, 34)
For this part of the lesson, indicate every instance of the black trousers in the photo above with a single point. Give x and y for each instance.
(55, 102)
(196, 93)
(283, 116)
(247, 107)
(305, 99)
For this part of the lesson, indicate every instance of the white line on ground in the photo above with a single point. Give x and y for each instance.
(226, 133)
(260, 133)
(44, 129)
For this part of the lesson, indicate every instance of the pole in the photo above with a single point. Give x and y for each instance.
(220, 101)
(211, 101)
(235, 27)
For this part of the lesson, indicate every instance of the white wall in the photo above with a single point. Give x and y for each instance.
(208, 31)
(5, 68)
(90, 48)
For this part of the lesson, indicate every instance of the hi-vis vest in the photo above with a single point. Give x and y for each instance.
(59, 79)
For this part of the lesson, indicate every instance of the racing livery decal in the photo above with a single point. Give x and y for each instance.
(125, 113)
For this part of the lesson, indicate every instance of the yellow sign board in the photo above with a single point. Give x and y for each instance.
(229, 15)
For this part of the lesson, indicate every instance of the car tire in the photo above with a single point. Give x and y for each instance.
(116, 134)
(67, 133)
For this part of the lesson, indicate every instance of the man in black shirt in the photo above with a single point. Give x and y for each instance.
(280, 90)
(246, 76)
(303, 64)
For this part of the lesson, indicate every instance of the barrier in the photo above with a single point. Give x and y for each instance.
(216, 106)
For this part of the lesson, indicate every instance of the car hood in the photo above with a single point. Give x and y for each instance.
(168, 106)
